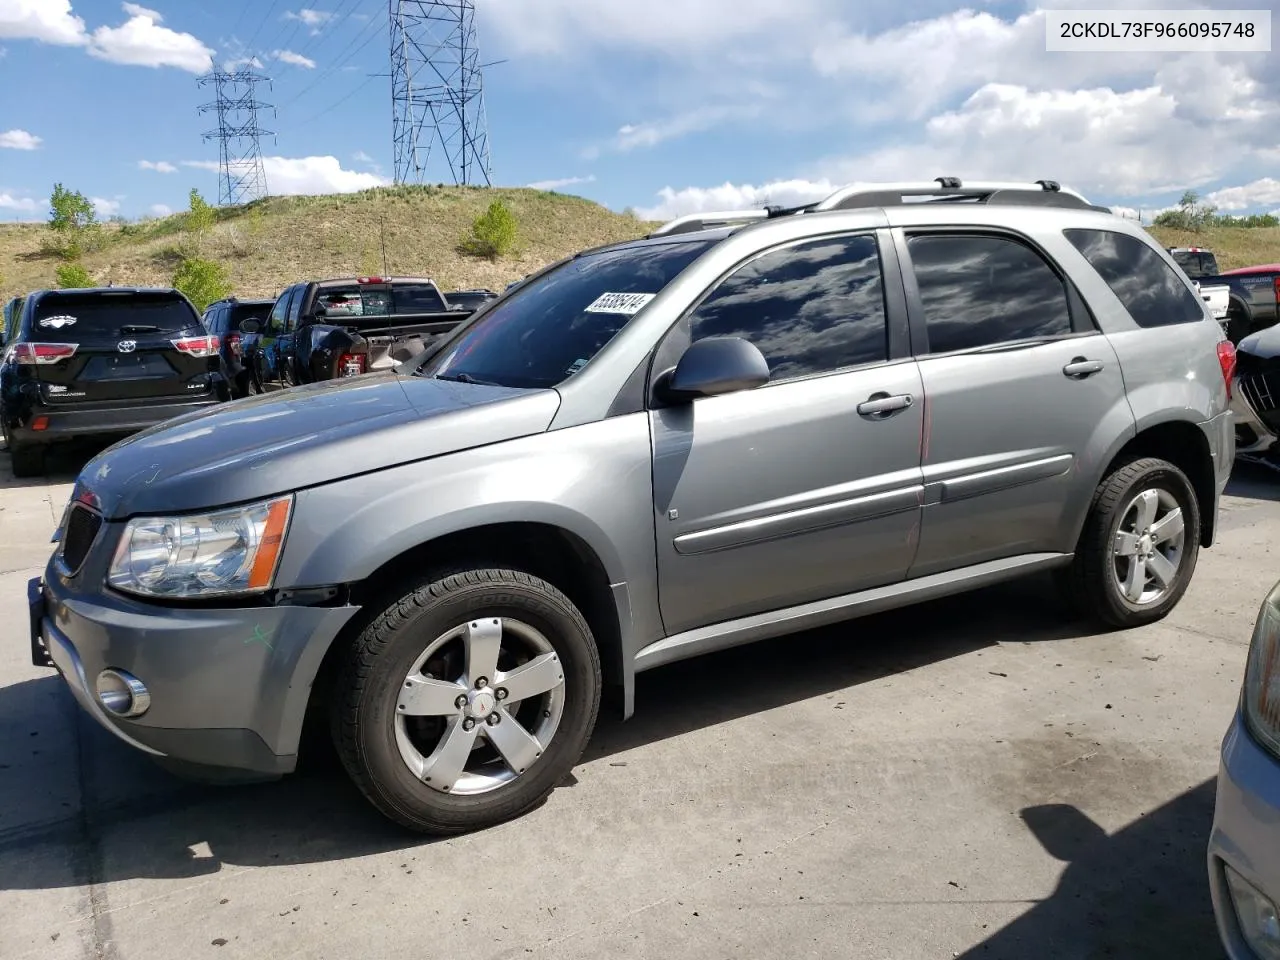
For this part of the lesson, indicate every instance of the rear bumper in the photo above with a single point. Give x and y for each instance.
(1246, 830)
(228, 688)
(69, 421)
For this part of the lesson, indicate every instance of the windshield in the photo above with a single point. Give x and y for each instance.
(69, 318)
(1196, 265)
(552, 327)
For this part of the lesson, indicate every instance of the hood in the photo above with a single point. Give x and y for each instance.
(279, 442)
(1258, 351)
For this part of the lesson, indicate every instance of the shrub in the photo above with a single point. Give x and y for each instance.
(493, 234)
(73, 275)
(202, 281)
(200, 219)
(73, 222)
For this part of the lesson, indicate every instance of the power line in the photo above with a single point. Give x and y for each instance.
(333, 106)
(333, 68)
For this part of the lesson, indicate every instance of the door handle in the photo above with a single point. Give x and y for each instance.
(881, 404)
(1079, 368)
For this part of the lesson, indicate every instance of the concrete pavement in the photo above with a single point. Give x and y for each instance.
(977, 777)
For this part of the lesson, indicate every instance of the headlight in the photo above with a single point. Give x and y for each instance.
(233, 551)
(1262, 676)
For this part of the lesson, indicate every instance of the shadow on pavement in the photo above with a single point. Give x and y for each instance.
(63, 463)
(1254, 480)
(1140, 892)
(160, 827)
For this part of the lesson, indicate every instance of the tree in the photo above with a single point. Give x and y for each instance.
(1191, 215)
(72, 275)
(493, 234)
(202, 281)
(200, 220)
(72, 219)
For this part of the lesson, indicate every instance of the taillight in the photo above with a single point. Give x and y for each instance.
(1227, 360)
(31, 354)
(351, 364)
(233, 343)
(197, 346)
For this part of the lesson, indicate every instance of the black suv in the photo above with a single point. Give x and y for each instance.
(222, 319)
(101, 362)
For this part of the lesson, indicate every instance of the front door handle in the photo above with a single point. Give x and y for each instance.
(1079, 368)
(882, 405)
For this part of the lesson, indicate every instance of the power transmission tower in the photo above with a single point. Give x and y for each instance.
(437, 91)
(241, 176)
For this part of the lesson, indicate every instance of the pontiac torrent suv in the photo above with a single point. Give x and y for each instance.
(742, 425)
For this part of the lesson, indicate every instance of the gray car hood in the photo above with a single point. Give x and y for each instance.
(302, 437)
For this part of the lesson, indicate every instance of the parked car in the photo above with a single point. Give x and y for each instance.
(1260, 288)
(101, 362)
(650, 451)
(1244, 846)
(1229, 300)
(325, 329)
(222, 319)
(469, 300)
(1255, 398)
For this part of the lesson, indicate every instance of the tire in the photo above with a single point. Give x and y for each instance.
(1096, 579)
(414, 645)
(28, 460)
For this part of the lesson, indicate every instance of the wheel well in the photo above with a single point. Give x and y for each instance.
(1185, 446)
(550, 553)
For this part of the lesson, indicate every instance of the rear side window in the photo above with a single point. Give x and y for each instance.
(1149, 288)
(979, 291)
(71, 318)
(811, 308)
(416, 298)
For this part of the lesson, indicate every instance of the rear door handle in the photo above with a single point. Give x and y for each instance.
(881, 404)
(1079, 368)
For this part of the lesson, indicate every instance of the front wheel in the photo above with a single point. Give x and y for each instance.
(467, 700)
(1139, 545)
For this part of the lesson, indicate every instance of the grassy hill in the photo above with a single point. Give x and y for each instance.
(270, 244)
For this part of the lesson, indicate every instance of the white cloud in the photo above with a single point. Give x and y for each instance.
(22, 204)
(562, 182)
(49, 21)
(18, 140)
(644, 135)
(104, 207)
(730, 196)
(159, 166)
(233, 65)
(312, 18)
(133, 10)
(296, 59)
(361, 157)
(287, 176)
(1259, 193)
(160, 210)
(142, 42)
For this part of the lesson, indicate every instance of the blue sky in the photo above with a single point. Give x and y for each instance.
(662, 105)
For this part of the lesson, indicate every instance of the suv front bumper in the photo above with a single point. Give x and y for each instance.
(228, 688)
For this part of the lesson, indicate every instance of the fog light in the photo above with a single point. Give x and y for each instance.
(1259, 920)
(122, 694)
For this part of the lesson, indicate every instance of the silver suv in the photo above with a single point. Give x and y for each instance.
(742, 425)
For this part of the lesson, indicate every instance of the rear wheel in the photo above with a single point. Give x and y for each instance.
(467, 700)
(1139, 545)
(27, 459)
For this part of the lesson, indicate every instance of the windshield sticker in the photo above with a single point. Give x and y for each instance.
(576, 366)
(58, 322)
(627, 304)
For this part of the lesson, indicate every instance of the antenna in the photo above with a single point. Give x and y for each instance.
(437, 92)
(241, 176)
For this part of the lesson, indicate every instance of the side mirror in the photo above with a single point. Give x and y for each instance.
(715, 366)
(251, 325)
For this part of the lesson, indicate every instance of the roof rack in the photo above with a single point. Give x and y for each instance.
(702, 221)
(1047, 193)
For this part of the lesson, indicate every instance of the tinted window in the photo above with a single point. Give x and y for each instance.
(810, 308)
(979, 291)
(553, 326)
(70, 318)
(231, 317)
(275, 321)
(1150, 290)
(416, 298)
(1195, 265)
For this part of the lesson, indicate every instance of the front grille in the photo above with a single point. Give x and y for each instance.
(82, 527)
(1260, 392)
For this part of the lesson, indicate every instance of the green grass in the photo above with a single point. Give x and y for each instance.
(298, 238)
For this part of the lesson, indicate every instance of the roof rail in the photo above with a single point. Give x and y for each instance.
(702, 221)
(1047, 193)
